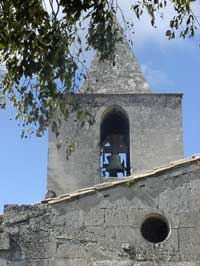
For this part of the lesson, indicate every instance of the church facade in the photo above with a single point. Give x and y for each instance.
(125, 196)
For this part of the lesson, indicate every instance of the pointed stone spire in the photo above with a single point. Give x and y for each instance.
(122, 76)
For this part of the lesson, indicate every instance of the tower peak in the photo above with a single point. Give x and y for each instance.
(122, 75)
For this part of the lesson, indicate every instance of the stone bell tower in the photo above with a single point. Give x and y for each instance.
(134, 130)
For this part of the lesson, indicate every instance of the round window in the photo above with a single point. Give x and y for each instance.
(155, 228)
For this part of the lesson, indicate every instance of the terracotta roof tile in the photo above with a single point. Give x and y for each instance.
(98, 187)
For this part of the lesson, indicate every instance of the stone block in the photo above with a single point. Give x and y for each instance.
(70, 262)
(71, 250)
(94, 217)
(190, 219)
(4, 241)
(116, 236)
(195, 198)
(58, 220)
(113, 262)
(83, 234)
(74, 218)
(176, 199)
(33, 233)
(93, 234)
(40, 250)
(3, 262)
(119, 217)
(36, 262)
(23, 213)
(189, 244)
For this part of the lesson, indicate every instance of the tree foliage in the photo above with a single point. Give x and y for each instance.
(36, 40)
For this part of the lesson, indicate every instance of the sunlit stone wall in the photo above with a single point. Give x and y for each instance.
(155, 138)
(104, 228)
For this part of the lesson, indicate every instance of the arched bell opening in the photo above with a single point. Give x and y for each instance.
(115, 144)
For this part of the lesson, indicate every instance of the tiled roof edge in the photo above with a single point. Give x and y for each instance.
(90, 190)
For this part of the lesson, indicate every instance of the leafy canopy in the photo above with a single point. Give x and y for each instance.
(36, 39)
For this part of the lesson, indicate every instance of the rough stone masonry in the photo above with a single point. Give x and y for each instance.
(155, 122)
(101, 226)
(150, 218)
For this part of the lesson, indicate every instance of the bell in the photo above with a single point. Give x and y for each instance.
(114, 165)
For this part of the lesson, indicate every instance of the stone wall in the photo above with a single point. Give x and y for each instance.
(104, 228)
(155, 137)
(120, 75)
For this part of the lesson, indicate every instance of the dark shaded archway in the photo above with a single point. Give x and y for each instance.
(115, 144)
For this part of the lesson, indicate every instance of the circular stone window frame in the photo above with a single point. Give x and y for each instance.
(163, 219)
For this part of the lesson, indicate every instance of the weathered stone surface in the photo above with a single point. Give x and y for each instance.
(190, 219)
(40, 262)
(94, 217)
(95, 230)
(121, 75)
(103, 227)
(70, 262)
(3, 262)
(189, 241)
(155, 124)
(4, 241)
(155, 137)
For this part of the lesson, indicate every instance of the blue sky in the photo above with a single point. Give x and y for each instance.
(169, 66)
